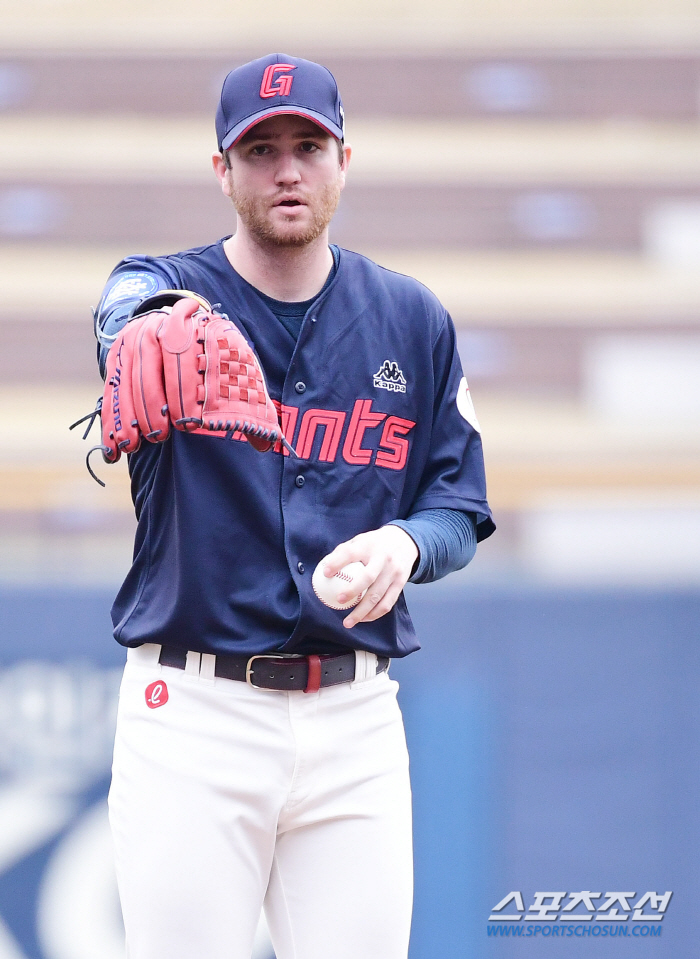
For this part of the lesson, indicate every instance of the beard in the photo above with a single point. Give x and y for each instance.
(255, 214)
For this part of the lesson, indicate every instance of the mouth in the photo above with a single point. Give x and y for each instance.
(289, 203)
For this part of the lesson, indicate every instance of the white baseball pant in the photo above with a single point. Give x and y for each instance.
(226, 797)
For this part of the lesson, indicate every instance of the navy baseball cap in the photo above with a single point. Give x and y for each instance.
(277, 84)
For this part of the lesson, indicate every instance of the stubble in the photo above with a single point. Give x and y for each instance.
(254, 213)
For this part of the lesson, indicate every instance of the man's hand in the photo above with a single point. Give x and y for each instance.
(388, 555)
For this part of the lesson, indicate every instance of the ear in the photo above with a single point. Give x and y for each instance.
(222, 173)
(347, 154)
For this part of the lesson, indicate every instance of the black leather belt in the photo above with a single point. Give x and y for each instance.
(269, 671)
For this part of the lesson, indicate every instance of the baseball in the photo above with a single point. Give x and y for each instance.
(327, 588)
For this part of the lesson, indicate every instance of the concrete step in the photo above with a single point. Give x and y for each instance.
(468, 215)
(137, 149)
(468, 84)
(52, 282)
(314, 28)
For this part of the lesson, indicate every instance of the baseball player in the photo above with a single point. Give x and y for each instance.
(260, 757)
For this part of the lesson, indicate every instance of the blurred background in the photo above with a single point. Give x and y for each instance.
(535, 163)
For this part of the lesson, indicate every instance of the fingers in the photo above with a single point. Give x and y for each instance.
(148, 387)
(379, 599)
(374, 579)
(120, 427)
(388, 555)
(351, 551)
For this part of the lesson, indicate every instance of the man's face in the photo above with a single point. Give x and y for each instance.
(285, 180)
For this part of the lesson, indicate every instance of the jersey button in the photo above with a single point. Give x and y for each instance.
(300, 387)
(300, 481)
(300, 567)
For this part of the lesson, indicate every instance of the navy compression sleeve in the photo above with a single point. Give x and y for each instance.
(446, 541)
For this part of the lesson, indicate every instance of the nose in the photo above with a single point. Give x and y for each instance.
(287, 172)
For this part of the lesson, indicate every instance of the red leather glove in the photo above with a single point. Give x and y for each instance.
(186, 367)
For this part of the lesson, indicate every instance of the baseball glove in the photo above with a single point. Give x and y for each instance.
(178, 364)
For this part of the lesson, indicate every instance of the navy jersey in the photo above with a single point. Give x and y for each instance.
(373, 399)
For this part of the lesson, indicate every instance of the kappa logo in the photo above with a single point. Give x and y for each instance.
(156, 694)
(389, 377)
(277, 85)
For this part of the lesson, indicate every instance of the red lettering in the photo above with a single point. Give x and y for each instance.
(288, 421)
(273, 85)
(362, 419)
(393, 449)
(394, 429)
(332, 421)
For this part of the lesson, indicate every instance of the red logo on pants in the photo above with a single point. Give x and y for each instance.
(156, 694)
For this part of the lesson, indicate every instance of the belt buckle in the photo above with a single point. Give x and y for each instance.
(249, 670)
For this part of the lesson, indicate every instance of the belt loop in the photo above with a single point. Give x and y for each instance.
(207, 667)
(313, 683)
(365, 666)
(145, 655)
(192, 664)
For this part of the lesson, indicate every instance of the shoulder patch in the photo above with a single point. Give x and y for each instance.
(131, 286)
(466, 406)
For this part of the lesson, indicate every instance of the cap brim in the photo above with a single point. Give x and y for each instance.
(242, 128)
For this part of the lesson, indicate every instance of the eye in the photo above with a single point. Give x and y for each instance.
(260, 149)
(308, 146)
